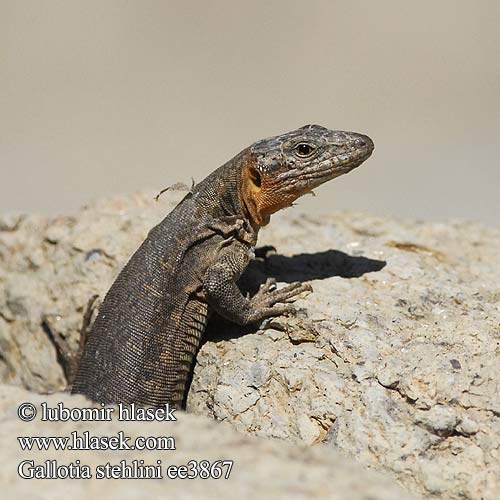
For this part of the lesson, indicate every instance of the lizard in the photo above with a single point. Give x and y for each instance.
(143, 344)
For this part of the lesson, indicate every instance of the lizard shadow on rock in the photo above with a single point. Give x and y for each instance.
(300, 267)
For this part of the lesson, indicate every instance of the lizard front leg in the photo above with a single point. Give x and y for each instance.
(224, 296)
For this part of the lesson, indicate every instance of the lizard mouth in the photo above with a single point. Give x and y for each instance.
(359, 151)
(336, 166)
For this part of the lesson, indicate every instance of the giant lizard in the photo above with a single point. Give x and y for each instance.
(145, 338)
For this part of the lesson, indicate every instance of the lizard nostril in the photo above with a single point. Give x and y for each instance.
(364, 141)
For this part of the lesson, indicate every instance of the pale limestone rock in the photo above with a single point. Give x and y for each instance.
(261, 468)
(396, 364)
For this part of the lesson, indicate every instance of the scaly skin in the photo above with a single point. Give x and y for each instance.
(145, 338)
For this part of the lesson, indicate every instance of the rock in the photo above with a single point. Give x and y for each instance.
(10, 222)
(440, 419)
(393, 359)
(402, 370)
(263, 468)
(467, 426)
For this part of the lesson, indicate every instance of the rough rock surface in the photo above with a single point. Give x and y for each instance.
(394, 359)
(269, 469)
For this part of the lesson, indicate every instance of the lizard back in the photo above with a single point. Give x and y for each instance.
(150, 324)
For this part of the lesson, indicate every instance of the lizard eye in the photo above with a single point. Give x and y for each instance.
(304, 150)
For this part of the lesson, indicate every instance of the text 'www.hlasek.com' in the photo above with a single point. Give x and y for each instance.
(82, 440)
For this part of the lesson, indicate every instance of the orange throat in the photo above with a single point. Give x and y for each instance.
(260, 197)
(251, 193)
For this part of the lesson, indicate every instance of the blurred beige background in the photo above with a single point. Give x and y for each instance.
(100, 97)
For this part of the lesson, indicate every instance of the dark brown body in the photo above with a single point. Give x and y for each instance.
(155, 311)
(149, 327)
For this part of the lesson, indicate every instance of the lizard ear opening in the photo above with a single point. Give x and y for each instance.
(255, 177)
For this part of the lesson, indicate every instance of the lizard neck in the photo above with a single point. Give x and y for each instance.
(252, 193)
(222, 194)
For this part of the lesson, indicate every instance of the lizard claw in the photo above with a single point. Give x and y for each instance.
(264, 252)
(268, 286)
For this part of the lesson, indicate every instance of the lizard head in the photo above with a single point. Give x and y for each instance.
(280, 169)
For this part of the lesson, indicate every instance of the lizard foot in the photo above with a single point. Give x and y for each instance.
(269, 295)
(269, 301)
